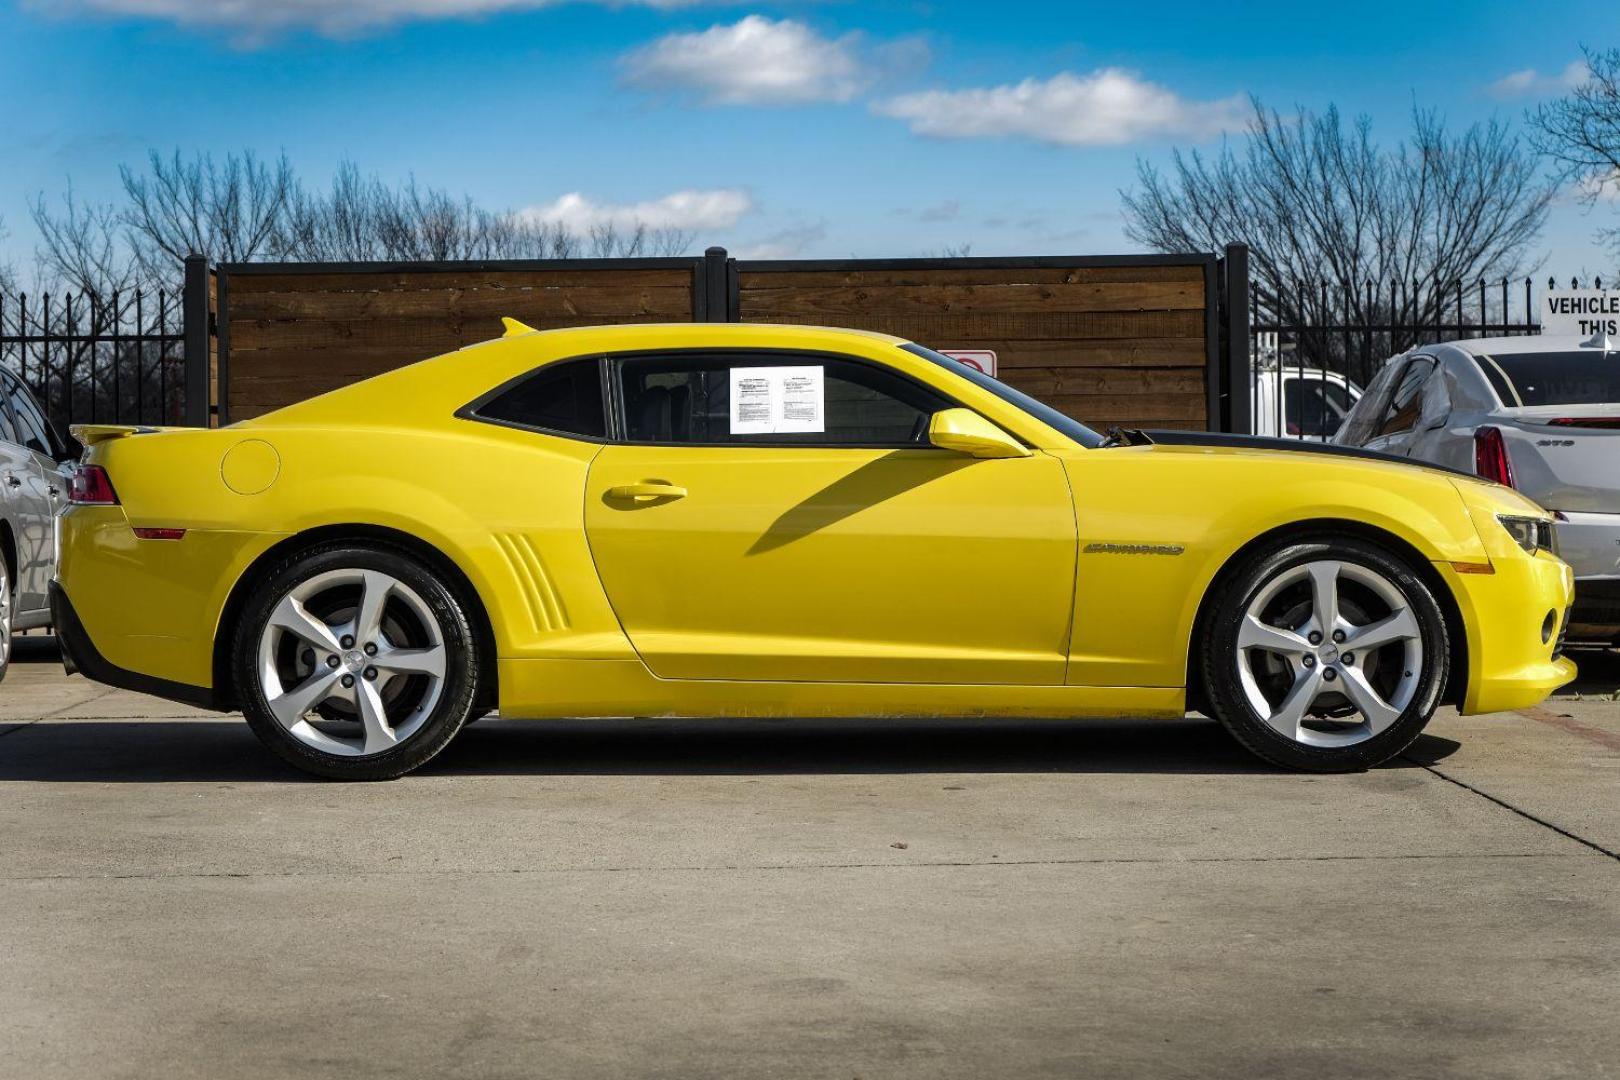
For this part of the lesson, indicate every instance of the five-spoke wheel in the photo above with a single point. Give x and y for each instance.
(356, 662)
(1325, 655)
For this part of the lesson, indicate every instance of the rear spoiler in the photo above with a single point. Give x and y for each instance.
(90, 434)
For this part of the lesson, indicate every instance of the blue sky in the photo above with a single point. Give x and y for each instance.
(814, 129)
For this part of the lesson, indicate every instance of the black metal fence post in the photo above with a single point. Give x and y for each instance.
(716, 286)
(195, 314)
(1239, 355)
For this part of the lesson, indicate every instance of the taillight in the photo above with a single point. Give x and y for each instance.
(1491, 456)
(1611, 422)
(90, 486)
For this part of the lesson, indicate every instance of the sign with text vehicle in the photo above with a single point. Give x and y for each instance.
(1584, 312)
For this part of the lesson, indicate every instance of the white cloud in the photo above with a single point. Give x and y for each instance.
(690, 209)
(254, 20)
(1532, 83)
(786, 244)
(751, 62)
(1600, 188)
(1105, 108)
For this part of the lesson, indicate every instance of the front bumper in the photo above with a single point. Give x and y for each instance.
(1512, 618)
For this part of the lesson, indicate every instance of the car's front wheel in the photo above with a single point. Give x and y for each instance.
(1328, 655)
(356, 662)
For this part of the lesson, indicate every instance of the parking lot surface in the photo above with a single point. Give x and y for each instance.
(850, 899)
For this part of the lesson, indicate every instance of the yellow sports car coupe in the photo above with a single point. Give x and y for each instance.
(750, 520)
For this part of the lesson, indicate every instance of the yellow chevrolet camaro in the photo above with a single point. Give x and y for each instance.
(750, 520)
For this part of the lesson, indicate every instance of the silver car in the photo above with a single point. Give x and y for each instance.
(33, 491)
(1541, 414)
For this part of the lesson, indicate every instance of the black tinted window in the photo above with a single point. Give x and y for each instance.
(1588, 377)
(565, 398)
(31, 427)
(688, 398)
(1040, 410)
(8, 432)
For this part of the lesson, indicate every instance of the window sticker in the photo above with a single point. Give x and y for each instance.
(777, 400)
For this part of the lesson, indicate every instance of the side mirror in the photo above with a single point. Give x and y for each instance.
(966, 432)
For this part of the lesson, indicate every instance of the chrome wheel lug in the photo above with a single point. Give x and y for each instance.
(371, 674)
(1315, 638)
(348, 681)
(371, 648)
(1310, 661)
(1348, 658)
(347, 641)
(331, 661)
(1338, 637)
(1330, 674)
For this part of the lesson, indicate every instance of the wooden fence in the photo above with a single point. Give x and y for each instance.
(1132, 340)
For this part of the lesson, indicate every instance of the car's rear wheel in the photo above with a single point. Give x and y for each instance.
(1328, 655)
(356, 663)
(5, 615)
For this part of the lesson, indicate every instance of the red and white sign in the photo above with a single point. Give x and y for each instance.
(983, 359)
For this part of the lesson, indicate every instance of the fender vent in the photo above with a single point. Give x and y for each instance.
(540, 596)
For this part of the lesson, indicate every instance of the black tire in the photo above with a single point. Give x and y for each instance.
(461, 675)
(1218, 653)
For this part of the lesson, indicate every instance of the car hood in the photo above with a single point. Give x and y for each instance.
(1268, 444)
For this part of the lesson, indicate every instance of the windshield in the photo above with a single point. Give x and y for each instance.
(1587, 377)
(1047, 415)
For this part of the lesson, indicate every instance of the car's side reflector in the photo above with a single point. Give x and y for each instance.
(1473, 568)
(159, 534)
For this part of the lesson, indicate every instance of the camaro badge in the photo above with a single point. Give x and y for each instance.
(1134, 549)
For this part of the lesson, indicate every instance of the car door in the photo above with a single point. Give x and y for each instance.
(30, 503)
(821, 538)
(1398, 424)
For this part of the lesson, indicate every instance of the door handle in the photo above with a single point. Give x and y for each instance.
(11, 478)
(647, 489)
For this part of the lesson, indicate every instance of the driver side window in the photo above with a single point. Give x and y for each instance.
(686, 398)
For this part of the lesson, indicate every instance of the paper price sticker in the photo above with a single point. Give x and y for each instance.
(778, 400)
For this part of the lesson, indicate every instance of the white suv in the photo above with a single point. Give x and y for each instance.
(34, 465)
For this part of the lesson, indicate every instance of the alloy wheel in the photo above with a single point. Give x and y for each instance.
(1330, 653)
(352, 648)
(5, 616)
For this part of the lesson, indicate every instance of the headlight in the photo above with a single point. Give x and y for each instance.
(1531, 533)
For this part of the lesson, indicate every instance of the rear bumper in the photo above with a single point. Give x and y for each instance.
(1590, 543)
(1596, 615)
(80, 656)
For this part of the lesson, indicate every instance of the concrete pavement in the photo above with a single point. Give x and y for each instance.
(651, 898)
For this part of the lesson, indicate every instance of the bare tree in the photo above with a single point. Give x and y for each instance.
(363, 218)
(1333, 220)
(8, 276)
(232, 212)
(1581, 132)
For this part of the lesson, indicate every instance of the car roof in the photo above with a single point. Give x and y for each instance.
(705, 331)
(1521, 343)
